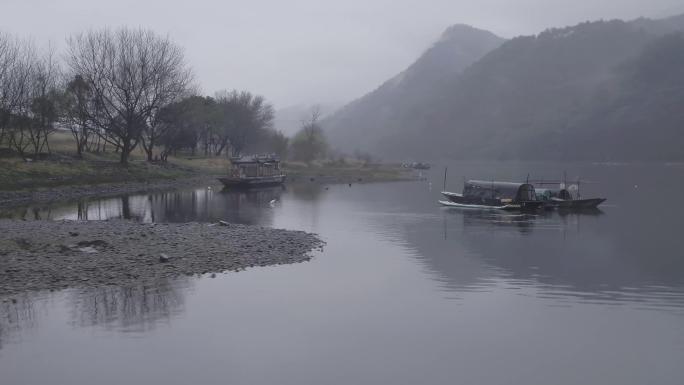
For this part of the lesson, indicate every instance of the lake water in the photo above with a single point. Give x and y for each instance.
(404, 292)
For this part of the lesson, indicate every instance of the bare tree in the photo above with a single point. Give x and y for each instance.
(243, 117)
(8, 59)
(15, 72)
(309, 143)
(310, 123)
(19, 74)
(77, 103)
(185, 123)
(44, 97)
(132, 75)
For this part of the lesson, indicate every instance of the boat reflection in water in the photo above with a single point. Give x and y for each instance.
(560, 254)
(523, 222)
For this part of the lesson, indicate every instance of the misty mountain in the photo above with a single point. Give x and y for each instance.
(606, 90)
(641, 109)
(374, 116)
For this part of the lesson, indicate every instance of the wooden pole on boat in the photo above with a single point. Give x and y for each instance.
(445, 176)
(579, 196)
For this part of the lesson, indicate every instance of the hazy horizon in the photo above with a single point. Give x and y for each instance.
(308, 52)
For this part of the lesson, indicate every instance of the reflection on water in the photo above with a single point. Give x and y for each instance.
(131, 308)
(405, 291)
(485, 219)
(197, 205)
(16, 313)
(562, 254)
(590, 254)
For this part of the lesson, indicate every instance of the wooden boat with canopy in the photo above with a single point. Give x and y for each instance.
(254, 171)
(494, 195)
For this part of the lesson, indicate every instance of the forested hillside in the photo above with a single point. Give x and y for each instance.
(607, 90)
(370, 119)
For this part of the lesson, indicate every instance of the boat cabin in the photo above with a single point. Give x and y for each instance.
(546, 194)
(255, 166)
(503, 191)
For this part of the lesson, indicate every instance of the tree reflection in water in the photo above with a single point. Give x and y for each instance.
(16, 313)
(131, 308)
(125, 207)
(139, 307)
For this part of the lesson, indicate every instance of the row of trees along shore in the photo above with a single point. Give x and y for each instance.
(125, 88)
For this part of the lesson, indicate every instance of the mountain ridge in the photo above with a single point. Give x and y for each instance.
(523, 99)
(458, 47)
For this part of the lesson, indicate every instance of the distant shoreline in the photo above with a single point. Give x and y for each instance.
(35, 188)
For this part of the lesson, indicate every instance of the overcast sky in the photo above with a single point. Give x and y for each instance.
(308, 51)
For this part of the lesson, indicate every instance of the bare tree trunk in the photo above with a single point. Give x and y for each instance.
(148, 146)
(125, 153)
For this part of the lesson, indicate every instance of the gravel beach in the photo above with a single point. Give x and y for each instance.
(51, 255)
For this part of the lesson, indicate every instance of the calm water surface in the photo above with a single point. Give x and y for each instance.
(405, 292)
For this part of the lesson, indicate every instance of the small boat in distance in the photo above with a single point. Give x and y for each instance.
(416, 165)
(494, 195)
(254, 171)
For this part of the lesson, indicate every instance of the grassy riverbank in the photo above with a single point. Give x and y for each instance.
(62, 168)
(347, 172)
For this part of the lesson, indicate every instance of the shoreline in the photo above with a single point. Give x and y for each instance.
(8, 199)
(322, 175)
(55, 255)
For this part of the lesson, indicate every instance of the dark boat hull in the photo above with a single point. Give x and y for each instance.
(577, 204)
(253, 182)
(459, 200)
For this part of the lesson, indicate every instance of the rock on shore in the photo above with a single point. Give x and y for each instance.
(50, 255)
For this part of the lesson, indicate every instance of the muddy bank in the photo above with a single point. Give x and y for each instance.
(63, 193)
(47, 255)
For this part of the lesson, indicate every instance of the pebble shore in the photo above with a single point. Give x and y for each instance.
(53, 255)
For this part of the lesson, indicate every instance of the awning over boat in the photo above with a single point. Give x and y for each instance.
(548, 193)
(499, 190)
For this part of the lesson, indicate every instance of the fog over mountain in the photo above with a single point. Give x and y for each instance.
(371, 118)
(307, 51)
(605, 90)
(288, 120)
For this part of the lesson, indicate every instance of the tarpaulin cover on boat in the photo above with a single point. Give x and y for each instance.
(499, 190)
(547, 194)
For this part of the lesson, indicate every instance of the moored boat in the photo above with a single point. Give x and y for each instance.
(416, 165)
(562, 198)
(494, 195)
(254, 171)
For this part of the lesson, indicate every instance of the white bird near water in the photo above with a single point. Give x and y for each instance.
(273, 202)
